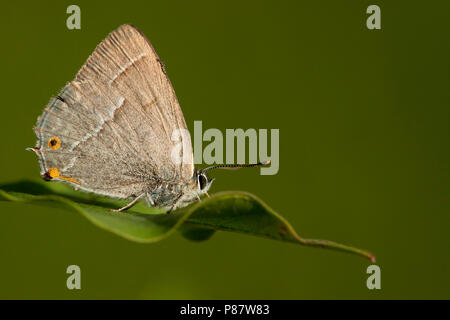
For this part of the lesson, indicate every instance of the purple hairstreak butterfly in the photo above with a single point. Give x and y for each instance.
(109, 131)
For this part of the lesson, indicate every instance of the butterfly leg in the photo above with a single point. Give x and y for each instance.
(129, 205)
(150, 200)
(174, 206)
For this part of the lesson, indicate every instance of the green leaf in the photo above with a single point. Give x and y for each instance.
(227, 211)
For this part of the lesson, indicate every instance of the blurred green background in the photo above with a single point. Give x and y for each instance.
(364, 157)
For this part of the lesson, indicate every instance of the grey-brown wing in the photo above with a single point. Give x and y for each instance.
(109, 130)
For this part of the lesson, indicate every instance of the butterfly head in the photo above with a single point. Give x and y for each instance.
(203, 181)
(200, 183)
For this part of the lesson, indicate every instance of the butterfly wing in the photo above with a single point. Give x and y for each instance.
(110, 130)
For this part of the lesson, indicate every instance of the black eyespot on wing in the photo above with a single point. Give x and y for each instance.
(202, 181)
(46, 176)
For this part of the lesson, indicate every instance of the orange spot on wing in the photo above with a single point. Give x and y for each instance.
(54, 173)
(54, 143)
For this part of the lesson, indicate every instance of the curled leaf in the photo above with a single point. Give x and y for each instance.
(227, 211)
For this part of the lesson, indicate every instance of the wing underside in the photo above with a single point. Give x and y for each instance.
(109, 131)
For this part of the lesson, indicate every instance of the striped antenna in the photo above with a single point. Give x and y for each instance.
(237, 166)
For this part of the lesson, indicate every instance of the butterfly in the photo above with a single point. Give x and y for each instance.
(110, 130)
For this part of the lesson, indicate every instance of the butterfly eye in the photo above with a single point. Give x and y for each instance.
(202, 181)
